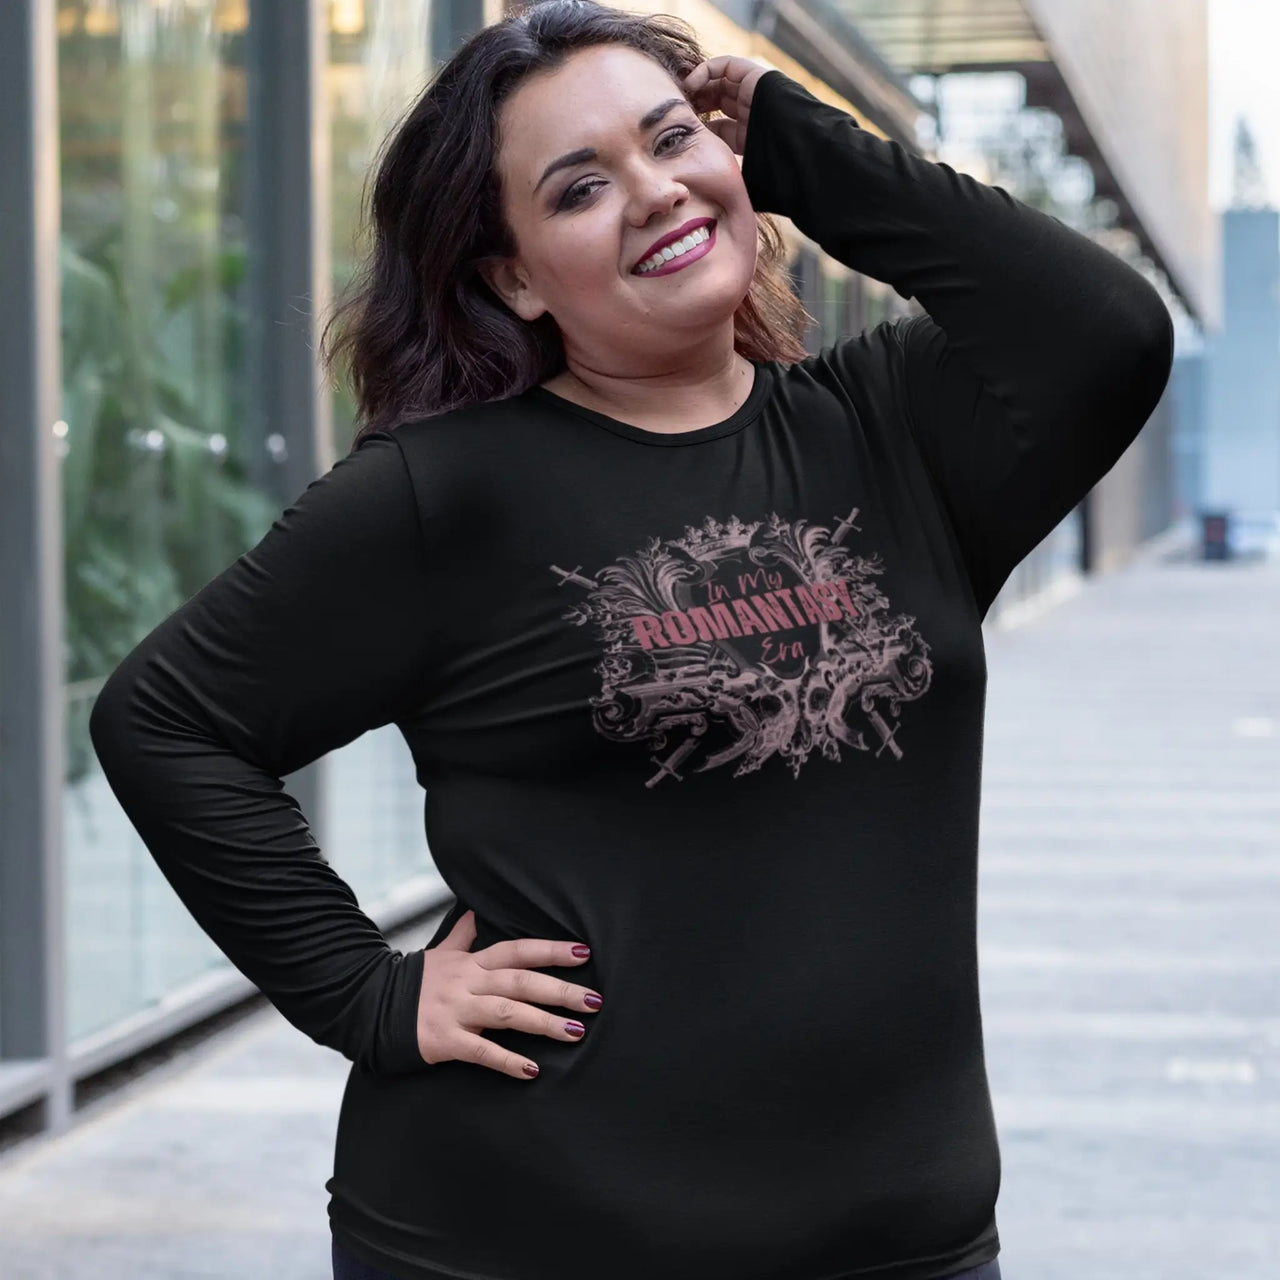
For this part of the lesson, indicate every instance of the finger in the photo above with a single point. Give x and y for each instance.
(485, 1053)
(502, 1013)
(711, 69)
(529, 953)
(694, 79)
(721, 96)
(723, 76)
(536, 988)
(463, 933)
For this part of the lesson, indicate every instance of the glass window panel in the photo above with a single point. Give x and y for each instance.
(876, 301)
(833, 307)
(152, 104)
(374, 805)
(380, 60)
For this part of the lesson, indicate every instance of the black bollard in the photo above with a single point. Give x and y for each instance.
(1216, 527)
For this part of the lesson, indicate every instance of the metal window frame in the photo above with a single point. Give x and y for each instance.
(287, 188)
(33, 1060)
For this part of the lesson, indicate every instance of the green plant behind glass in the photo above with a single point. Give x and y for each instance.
(156, 497)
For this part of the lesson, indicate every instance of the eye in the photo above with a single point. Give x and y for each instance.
(575, 195)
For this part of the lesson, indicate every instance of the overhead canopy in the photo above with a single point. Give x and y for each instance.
(1129, 82)
(947, 35)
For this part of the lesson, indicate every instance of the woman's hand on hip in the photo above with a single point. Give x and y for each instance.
(463, 992)
(725, 83)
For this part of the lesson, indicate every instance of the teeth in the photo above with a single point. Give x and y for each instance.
(675, 250)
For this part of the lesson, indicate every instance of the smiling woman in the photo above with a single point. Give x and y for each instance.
(552, 155)
(696, 691)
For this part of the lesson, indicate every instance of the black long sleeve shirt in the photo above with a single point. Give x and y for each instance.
(711, 702)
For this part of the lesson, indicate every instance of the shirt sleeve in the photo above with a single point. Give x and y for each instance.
(317, 634)
(1040, 355)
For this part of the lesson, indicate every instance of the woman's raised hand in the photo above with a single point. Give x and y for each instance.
(725, 83)
(464, 992)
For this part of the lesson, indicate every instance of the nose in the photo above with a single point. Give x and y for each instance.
(654, 207)
(657, 191)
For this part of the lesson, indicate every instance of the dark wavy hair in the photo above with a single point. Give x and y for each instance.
(418, 326)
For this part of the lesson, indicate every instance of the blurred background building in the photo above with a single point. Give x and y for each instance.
(1240, 462)
(181, 203)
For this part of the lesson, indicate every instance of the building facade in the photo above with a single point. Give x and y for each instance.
(1241, 450)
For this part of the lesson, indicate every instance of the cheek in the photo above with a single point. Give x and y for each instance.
(578, 262)
(728, 190)
(723, 169)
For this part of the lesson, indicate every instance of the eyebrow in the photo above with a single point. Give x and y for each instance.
(583, 154)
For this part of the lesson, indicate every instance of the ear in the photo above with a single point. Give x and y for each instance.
(507, 280)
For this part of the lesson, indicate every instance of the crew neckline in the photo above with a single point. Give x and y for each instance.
(748, 410)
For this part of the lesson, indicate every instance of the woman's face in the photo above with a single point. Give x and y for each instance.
(581, 229)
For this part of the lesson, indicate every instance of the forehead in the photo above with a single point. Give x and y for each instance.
(598, 91)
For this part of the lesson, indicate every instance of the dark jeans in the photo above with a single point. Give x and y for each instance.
(346, 1267)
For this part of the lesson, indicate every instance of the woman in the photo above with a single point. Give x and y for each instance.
(683, 628)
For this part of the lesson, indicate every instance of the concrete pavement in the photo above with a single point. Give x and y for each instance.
(1129, 926)
(1129, 905)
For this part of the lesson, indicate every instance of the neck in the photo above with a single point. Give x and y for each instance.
(674, 399)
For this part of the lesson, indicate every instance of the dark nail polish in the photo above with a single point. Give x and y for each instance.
(592, 1001)
(530, 1069)
(575, 1028)
(582, 952)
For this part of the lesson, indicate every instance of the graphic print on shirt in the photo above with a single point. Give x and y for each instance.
(744, 641)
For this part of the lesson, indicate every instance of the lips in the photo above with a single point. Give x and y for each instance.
(671, 237)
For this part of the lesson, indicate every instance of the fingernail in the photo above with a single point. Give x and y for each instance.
(592, 1001)
(575, 1028)
(582, 952)
(531, 1069)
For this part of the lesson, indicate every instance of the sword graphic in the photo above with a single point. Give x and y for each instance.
(667, 768)
(845, 525)
(886, 733)
(572, 575)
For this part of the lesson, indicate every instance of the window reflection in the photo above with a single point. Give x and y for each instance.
(380, 59)
(152, 252)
